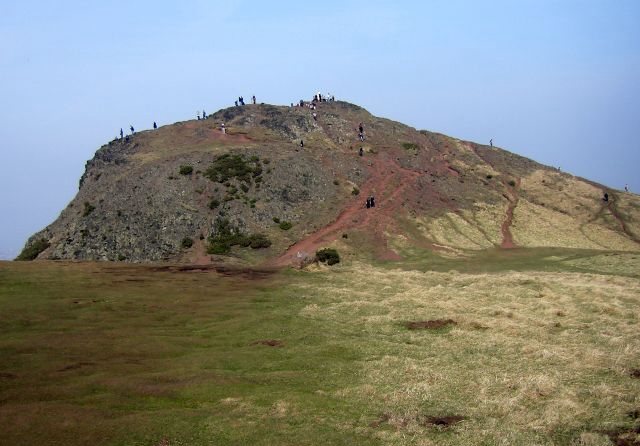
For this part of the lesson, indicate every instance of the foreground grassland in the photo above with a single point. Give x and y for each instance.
(533, 348)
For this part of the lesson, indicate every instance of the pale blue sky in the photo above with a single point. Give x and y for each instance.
(556, 81)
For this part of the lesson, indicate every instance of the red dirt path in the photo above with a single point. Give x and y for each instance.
(388, 182)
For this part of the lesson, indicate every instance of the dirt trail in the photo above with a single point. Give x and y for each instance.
(387, 181)
(507, 237)
(612, 208)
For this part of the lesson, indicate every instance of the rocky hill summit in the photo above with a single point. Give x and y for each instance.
(278, 183)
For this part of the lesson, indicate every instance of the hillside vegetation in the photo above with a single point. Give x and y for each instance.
(140, 199)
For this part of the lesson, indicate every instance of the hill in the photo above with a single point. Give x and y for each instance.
(188, 192)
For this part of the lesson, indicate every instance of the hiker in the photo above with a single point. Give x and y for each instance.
(360, 128)
(132, 129)
(301, 103)
(606, 197)
(254, 99)
(126, 139)
(626, 188)
(302, 144)
(241, 100)
(155, 126)
(491, 142)
(368, 203)
(198, 115)
(315, 116)
(236, 103)
(121, 133)
(204, 114)
(361, 151)
(361, 136)
(223, 128)
(373, 201)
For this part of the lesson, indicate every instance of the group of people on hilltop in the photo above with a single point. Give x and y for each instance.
(240, 100)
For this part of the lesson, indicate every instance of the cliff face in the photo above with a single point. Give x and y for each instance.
(172, 193)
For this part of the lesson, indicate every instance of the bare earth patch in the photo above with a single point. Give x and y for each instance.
(625, 437)
(442, 421)
(269, 343)
(430, 325)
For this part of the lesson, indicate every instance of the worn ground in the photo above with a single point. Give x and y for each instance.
(513, 347)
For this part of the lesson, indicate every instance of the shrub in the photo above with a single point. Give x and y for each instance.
(355, 191)
(410, 146)
(489, 176)
(228, 166)
(214, 204)
(512, 183)
(88, 208)
(259, 241)
(244, 187)
(33, 250)
(285, 225)
(276, 220)
(336, 182)
(225, 235)
(186, 242)
(121, 257)
(186, 170)
(328, 255)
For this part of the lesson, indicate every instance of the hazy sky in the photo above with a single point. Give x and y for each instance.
(556, 81)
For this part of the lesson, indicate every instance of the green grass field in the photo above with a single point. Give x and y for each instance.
(541, 348)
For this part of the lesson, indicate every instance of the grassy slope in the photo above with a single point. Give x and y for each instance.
(103, 354)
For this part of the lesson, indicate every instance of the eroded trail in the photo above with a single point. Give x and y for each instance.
(386, 182)
(512, 196)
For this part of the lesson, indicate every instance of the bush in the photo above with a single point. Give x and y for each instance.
(186, 243)
(228, 166)
(88, 208)
(328, 255)
(186, 170)
(336, 182)
(121, 257)
(244, 187)
(33, 250)
(225, 235)
(512, 183)
(214, 204)
(259, 241)
(285, 225)
(276, 220)
(489, 176)
(355, 191)
(410, 146)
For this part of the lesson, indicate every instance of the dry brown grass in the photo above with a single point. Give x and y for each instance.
(536, 358)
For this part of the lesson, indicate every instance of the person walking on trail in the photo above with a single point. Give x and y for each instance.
(254, 99)
(302, 144)
(491, 142)
(360, 128)
(223, 129)
(368, 203)
(361, 151)
(626, 188)
(606, 197)
(204, 114)
(155, 126)
(198, 115)
(315, 116)
(372, 199)
(132, 129)
(236, 103)
(121, 133)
